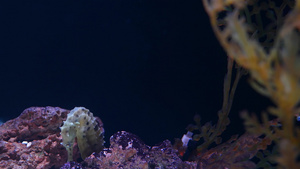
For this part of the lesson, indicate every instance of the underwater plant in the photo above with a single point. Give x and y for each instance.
(263, 37)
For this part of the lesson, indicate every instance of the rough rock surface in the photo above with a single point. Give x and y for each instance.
(128, 151)
(33, 140)
(34, 123)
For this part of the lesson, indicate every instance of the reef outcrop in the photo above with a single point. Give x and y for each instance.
(33, 140)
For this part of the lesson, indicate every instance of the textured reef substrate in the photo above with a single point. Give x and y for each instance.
(33, 140)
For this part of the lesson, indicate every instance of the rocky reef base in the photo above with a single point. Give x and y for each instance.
(33, 141)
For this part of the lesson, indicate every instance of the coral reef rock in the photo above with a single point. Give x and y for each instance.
(128, 151)
(33, 140)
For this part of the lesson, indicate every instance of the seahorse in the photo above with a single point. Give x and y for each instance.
(88, 130)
